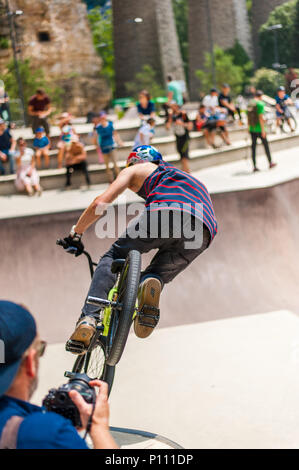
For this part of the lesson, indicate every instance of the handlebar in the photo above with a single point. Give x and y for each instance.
(73, 250)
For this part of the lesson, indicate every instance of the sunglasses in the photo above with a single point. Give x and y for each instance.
(41, 348)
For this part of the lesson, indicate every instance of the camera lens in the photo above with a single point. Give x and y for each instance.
(61, 397)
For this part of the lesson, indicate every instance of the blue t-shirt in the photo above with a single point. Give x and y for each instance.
(41, 143)
(146, 111)
(5, 141)
(40, 429)
(281, 101)
(106, 141)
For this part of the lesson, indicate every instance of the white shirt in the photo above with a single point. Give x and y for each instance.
(147, 134)
(210, 101)
(26, 158)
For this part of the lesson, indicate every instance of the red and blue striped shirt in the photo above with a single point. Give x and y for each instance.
(168, 187)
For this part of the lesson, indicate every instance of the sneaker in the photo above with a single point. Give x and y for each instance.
(272, 165)
(148, 307)
(85, 329)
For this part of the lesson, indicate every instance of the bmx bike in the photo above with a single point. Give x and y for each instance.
(113, 320)
(288, 122)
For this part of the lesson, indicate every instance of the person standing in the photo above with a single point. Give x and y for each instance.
(175, 92)
(257, 127)
(7, 148)
(181, 126)
(105, 138)
(39, 108)
(4, 105)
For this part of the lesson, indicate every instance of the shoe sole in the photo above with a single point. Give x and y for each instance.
(150, 295)
(83, 334)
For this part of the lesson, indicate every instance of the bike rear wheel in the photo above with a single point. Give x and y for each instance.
(93, 364)
(293, 123)
(121, 319)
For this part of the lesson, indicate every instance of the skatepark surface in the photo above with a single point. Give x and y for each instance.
(229, 322)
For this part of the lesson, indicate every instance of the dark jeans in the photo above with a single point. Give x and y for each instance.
(11, 161)
(254, 137)
(173, 255)
(182, 145)
(40, 122)
(82, 166)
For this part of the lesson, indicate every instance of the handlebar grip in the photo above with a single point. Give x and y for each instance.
(62, 243)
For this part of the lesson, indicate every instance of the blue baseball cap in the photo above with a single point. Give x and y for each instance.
(17, 333)
(39, 129)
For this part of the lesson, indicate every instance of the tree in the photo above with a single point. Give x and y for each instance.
(285, 15)
(267, 80)
(102, 34)
(226, 71)
(145, 80)
(296, 35)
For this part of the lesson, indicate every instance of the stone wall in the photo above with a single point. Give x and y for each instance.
(55, 35)
(153, 42)
(229, 22)
(261, 10)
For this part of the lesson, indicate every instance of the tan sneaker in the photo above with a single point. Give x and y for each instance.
(148, 307)
(85, 329)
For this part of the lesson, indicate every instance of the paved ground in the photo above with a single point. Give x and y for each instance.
(226, 384)
(223, 178)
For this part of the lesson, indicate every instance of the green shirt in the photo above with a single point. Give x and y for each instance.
(176, 89)
(260, 105)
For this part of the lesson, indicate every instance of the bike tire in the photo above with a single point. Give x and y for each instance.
(285, 126)
(120, 324)
(87, 364)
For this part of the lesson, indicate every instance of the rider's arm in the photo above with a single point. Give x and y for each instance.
(98, 206)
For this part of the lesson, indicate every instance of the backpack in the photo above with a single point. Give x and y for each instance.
(253, 117)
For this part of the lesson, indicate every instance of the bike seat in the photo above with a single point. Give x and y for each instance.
(117, 265)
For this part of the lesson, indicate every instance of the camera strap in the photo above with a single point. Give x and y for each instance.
(89, 423)
(9, 436)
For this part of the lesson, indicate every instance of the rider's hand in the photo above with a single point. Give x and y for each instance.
(99, 432)
(72, 246)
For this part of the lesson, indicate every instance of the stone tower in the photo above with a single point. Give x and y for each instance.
(153, 41)
(55, 35)
(261, 10)
(228, 23)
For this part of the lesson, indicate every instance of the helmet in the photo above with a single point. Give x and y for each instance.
(144, 153)
(281, 88)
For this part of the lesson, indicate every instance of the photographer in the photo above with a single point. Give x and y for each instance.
(26, 426)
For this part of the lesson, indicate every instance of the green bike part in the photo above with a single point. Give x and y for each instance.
(107, 312)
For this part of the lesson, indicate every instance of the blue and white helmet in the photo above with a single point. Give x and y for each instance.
(144, 153)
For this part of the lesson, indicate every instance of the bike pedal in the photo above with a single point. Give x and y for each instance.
(75, 347)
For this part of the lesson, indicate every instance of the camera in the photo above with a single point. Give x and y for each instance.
(59, 401)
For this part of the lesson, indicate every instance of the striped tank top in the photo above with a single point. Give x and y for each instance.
(170, 188)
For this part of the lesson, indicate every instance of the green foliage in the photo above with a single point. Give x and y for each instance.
(146, 79)
(180, 9)
(227, 71)
(285, 15)
(296, 35)
(267, 80)
(102, 33)
(31, 80)
(4, 42)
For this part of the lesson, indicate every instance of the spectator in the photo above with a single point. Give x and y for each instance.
(145, 133)
(225, 101)
(282, 102)
(27, 426)
(105, 137)
(210, 101)
(4, 105)
(76, 160)
(175, 93)
(208, 126)
(257, 127)
(181, 126)
(217, 114)
(145, 106)
(290, 76)
(41, 146)
(27, 177)
(39, 108)
(7, 148)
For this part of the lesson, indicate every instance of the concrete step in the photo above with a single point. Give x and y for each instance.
(199, 158)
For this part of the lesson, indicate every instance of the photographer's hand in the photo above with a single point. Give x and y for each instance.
(99, 432)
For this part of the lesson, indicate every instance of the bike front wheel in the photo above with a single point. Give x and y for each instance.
(122, 314)
(93, 364)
